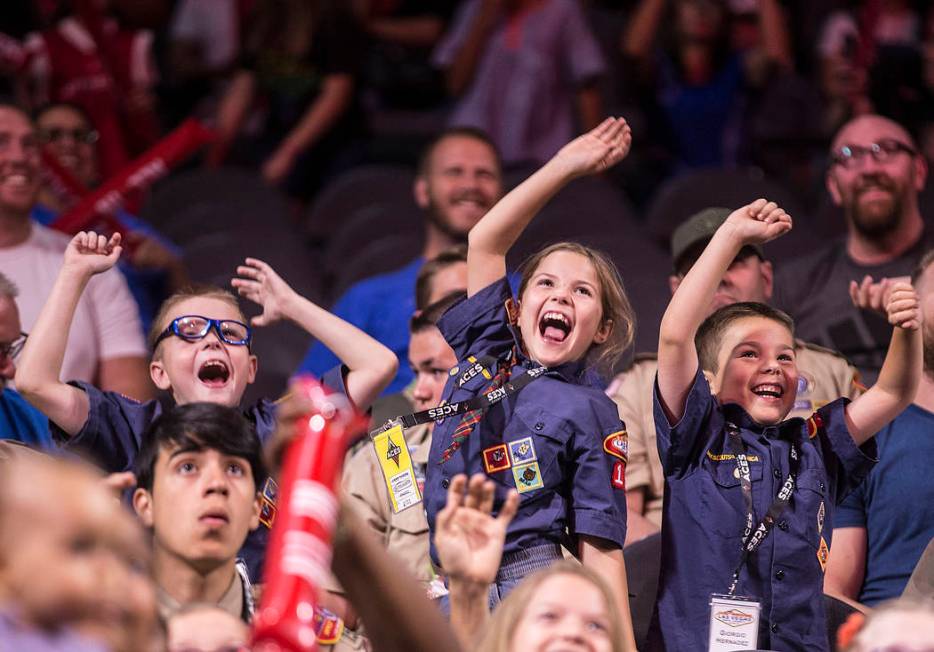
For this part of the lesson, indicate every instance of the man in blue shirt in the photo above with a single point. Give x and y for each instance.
(458, 180)
(18, 419)
(882, 528)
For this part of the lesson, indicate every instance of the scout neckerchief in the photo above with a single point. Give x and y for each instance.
(753, 538)
(472, 409)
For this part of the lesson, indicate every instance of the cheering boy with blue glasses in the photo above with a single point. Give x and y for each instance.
(201, 352)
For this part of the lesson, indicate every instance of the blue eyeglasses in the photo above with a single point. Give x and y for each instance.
(196, 327)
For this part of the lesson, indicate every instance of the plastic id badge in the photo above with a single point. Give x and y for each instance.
(734, 623)
(396, 463)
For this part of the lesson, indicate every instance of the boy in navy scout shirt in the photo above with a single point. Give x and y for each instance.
(734, 468)
(201, 353)
(556, 440)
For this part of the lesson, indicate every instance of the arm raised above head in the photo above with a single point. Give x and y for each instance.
(498, 230)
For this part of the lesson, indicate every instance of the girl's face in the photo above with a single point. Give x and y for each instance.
(567, 613)
(560, 311)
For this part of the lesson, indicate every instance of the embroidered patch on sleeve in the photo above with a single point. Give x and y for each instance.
(814, 423)
(617, 445)
(618, 478)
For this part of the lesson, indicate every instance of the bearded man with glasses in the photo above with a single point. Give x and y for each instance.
(874, 174)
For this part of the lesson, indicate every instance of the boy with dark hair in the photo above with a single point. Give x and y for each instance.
(200, 475)
(749, 496)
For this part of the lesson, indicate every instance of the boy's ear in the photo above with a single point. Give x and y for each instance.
(713, 381)
(142, 505)
(603, 333)
(159, 377)
(420, 192)
(254, 365)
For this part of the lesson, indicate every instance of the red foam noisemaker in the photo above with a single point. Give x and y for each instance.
(298, 559)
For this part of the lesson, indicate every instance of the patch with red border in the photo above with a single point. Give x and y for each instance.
(617, 445)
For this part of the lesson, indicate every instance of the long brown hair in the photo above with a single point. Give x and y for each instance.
(505, 620)
(613, 300)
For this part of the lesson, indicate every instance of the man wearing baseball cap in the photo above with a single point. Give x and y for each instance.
(824, 375)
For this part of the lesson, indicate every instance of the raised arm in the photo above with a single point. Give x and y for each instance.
(372, 366)
(461, 71)
(757, 222)
(901, 372)
(492, 237)
(232, 113)
(324, 112)
(638, 38)
(39, 368)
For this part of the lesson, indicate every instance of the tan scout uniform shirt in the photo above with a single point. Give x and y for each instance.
(823, 376)
(405, 534)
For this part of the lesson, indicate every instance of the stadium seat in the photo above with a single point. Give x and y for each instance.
(682, 196)
(357, 188)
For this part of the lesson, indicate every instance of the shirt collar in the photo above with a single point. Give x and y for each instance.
(787, 429)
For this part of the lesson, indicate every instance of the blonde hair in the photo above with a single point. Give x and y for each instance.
(161, 320)
(613, 300)
(502, 628)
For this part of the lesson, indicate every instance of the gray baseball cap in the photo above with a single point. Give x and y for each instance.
(697, 230)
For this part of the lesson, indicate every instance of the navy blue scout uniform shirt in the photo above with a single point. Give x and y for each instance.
(547, 441)
(704, 513)
(114, 430)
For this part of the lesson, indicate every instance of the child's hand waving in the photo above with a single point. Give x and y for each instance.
(759, 222)
(89, 253)
(903, 308)
(468, 537)
(262, 285)
(598, 150)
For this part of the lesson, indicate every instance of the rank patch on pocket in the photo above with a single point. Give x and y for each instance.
(528, 477)
(496, 458)
(522, 451)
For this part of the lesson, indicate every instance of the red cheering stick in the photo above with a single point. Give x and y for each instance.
(298, 559)
(138, 175)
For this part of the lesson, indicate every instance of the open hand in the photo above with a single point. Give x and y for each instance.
(874, 295)
(903, 307)
(598, 150)
(759, 222)
(260, 284)
(468, 537)
(89, 253)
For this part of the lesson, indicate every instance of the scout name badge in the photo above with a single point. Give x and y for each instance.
(398, 470)
(734, 623)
